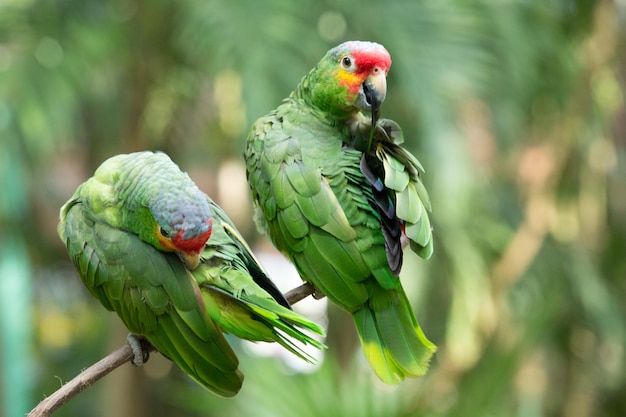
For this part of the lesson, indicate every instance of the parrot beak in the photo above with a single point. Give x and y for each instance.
(191, 259)
(375, 90)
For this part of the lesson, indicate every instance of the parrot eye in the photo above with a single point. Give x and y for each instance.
(163, 232)
(346, 62)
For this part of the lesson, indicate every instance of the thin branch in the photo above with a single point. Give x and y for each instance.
(116, 359)
(83, 380)
(300, 293)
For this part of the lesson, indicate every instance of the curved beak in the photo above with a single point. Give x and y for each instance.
(191, 259)
(375, 90)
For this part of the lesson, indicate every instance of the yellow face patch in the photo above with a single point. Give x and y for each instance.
(349, 79)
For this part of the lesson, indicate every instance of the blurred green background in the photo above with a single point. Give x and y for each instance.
(515, 109)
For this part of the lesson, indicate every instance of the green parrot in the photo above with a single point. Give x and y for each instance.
(341, 198)
(153, 248)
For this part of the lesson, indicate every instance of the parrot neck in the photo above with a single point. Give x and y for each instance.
(139, 220)
(321, 92)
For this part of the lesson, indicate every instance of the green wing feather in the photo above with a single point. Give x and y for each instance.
(247, 303)
(401, 173)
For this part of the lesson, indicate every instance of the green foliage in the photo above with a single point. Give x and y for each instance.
(514, 108)
(330, 391)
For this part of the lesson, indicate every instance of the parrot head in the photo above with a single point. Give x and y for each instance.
(160, 203)
(351, 77)
(182, 217)
(183, 237)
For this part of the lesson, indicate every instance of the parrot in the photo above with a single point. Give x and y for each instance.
(167, 259)
(341, 198)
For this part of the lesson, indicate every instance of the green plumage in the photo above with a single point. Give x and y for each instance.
(342, 199)
(109, 226)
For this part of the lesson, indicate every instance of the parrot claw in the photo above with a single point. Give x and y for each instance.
(140, 351)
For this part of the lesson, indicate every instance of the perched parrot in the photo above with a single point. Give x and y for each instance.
(153, 248)
(341, 198)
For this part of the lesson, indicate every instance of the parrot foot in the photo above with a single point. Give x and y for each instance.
(140, 348)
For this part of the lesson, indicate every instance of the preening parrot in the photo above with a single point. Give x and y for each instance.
(153, 248)
(341, 198)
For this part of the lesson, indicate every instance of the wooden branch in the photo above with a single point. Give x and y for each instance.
(300, 293)
(83, 380)
(114, 360)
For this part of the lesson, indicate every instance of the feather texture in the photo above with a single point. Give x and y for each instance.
(183, 313)
(340, 198)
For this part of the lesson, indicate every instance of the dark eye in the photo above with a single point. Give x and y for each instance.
(346, 62)
(163, 232)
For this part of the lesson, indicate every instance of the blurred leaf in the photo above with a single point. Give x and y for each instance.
(514, 108)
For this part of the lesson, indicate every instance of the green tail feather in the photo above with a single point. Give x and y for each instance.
(260, 319)
(392, 340)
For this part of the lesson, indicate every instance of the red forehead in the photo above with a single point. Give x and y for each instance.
(371, 57)
(195, 244)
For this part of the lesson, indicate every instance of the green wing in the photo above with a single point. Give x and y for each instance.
(241, 298)
(395, 176)
(153, 294)
(403, 176)
(318, 207)
(231, 245)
